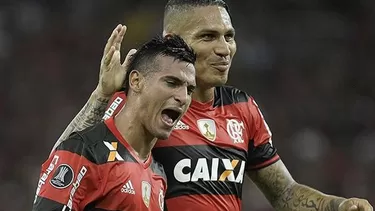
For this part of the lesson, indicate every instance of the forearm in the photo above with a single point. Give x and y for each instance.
(91, 113)
(303, 198)
(285, 194)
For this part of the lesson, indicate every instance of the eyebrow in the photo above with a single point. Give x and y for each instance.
(212, 31)
(179, 81)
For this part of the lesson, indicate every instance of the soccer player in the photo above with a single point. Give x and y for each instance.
(223, 134)
(109, 166)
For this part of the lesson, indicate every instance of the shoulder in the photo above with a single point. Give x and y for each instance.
(227, 95)
(86, 143)
(95, 134)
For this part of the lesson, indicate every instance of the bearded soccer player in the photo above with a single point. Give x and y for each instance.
(223, 134)
(109, 166)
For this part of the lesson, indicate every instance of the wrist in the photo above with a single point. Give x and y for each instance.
(337, 202)
(97, 93)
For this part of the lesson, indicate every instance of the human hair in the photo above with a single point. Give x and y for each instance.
(174, 8)
(145, 59)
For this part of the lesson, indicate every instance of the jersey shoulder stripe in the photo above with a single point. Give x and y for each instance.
(227, 95)
(97, 144)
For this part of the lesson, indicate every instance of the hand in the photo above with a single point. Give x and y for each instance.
(112, 72)
(354, 204)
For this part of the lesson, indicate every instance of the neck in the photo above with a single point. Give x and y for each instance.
(204, 95)
(132, 130)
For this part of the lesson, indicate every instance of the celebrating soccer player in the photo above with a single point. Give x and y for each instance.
(109, 166)
(223, 135)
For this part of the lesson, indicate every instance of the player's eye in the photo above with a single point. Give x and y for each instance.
(208, 37)
(229, 37)
(171, 83)
(190, 90)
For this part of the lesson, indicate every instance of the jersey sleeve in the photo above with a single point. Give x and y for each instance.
(116, 103)
(69, 179)
(261, 151)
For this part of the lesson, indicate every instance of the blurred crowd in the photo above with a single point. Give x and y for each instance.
(309, 64)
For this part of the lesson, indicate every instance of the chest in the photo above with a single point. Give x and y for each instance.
(131, 187)
(227, 128)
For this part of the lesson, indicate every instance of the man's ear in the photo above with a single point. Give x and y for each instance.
(136, 81)
(167, 34)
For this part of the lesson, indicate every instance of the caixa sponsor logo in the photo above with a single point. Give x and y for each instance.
(45, 175)
(112, 108)
(215, 169)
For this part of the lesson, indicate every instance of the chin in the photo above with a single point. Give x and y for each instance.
(222, 82)
(219, 82)
(163, 135)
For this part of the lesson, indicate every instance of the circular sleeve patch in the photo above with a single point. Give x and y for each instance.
(62, 177)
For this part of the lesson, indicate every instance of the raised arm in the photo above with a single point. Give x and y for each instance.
(111, 76)
(285, 194)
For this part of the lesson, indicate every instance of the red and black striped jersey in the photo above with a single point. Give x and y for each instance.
(210, 149)
(96, 169)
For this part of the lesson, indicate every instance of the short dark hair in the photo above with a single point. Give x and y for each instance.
(145, 57)
(178, 6)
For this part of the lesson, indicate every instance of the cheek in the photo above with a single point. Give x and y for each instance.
(202, 51)
(233, 49)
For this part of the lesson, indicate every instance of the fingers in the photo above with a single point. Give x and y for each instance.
(112, 38)
(108, 57)
(353, 208)
(115, 60)
(120, 37)
(128, 56)
(364, 205)
(355, 204)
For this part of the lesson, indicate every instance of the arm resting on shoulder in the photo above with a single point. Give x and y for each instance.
(285, 194)
(91, 113)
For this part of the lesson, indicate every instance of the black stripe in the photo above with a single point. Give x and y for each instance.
(45, 204)
(76, 144)
(262, 166)
(89, 143)
(204, 153)
(158, 169)
(97, 137)
(227, 95)
(102, 152)
(260, 154)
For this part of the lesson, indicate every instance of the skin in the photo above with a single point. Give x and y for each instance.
(140, 121)
(212, 38)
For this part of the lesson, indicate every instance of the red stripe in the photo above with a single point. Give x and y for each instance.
(88, 184)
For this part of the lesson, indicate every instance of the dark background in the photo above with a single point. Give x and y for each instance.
(309, 64)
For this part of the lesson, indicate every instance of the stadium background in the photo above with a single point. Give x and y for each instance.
(309, 64)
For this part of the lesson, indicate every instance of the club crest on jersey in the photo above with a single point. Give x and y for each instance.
(208, 128)
(146, 193)
(235, 130)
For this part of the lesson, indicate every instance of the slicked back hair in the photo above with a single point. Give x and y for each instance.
(145, 59)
